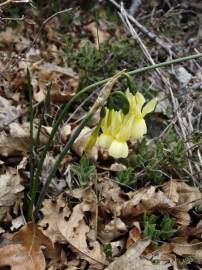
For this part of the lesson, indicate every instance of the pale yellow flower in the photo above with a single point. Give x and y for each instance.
(117, 128)
(105, 139)
(119, 147)
(139, 128)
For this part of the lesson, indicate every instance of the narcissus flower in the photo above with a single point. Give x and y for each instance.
(138, 112)
(119, 146)
(117, 128)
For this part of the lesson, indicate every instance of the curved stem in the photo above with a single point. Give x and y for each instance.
(60, 158)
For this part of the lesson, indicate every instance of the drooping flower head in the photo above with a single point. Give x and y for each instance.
(117, 128)
(138, 112)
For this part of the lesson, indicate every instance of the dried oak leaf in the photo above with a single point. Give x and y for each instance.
(7, 112)
(79, 143)
(183, 194)
(182, 247)
(185, 197)
(65, 82)
(132, 259)
(52, 212)
(27, 254)
(10, 190)
(112, 230)
(66, 227)
(144, 200)
(134, 235)
(75, 230)
(18, 139)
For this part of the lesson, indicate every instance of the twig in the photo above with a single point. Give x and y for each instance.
(39, 31)
(13, 2)
(5, 3)
(12, 19)
(44, 23)
(143, 29)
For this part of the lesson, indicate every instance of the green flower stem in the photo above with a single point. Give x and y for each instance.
(54, 130)
(147, 68)
(60, 158)
(46, 101)
(31, 157)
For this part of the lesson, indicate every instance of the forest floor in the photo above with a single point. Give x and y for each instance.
(89, 210)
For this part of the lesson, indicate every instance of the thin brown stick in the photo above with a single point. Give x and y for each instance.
(5, 3)
(13, 2)
(167, 47)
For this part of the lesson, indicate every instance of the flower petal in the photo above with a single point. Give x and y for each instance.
(149, 107)
(105, 140)
(126, 128)
(117, 119)
(139, 129)
(140, 100)
(118, 149)
(105, 121)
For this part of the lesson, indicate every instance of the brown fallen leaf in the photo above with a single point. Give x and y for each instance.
(79, 143)
(27, 254)
(132, 259)
(185, 197)
(182, 247)
(98, 35)
(50, 67)
(143, 201)
(75, 231)
(10, 190)
(17, 141)
(64, 83)
(71, 228)
(112, 230)
(52, 212)
(183, 194)
(7, 112)
(8, 36)
(65, 132)
(134, 235)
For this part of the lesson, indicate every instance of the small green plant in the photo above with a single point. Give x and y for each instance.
(159, 160)
(167, 227)
(150, 227)
(126, 178)
(198, 208)
(185, 261)
(88, 57)
(157, 228)
(108, 249)
(84, 170)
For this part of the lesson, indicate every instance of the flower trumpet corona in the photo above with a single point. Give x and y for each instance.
(119, 146)
(116, 128)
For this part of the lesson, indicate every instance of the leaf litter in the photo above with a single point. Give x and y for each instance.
(101, 224)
